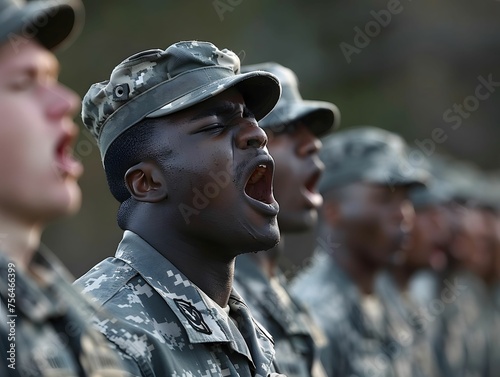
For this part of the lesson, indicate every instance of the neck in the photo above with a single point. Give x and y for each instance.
(204, 265)
(19, 240)
(362, 273)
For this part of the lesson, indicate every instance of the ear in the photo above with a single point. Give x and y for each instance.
(332, 212)
(146, 183)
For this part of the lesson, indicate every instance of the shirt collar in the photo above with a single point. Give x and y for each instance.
(200, 316)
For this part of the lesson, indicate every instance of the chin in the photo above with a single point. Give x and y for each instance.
(298, 223)
(67, 202)
(260, 239)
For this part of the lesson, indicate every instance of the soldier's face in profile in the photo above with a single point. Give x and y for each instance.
(298, 169)
(476, 242)
(376, 220)
(218, 175)
(430, 239)
(39, 174)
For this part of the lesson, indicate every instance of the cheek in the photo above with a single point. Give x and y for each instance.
(201, 182)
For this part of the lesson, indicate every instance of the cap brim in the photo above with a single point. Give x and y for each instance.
(378, 174)
(53, 24)
(395, 177)
(321, 117)
(260, 90)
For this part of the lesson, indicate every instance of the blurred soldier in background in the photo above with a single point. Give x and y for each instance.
(365, 219)
(186, 159)
(293, 129)
(429, 238)
(456, 309)
(44, 329)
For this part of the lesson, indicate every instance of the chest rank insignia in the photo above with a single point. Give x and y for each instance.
(193, 316)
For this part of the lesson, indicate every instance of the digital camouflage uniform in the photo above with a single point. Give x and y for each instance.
(467, 320)
(48, 319)
(356, 347)
(167, 324)
(296, 337)
(408, 328)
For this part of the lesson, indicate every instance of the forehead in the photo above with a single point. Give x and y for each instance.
(227, 101)
(368, 188)
(27, 55)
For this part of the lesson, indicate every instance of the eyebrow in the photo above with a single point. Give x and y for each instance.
(226, 108)
(32, 69)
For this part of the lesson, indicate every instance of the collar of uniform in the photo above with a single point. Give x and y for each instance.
(249, 275)
(174, 287)
(36, 302)
(258, 340)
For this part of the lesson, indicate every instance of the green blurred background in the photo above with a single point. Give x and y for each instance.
(404, 77)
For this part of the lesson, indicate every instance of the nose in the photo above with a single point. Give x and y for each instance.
(309, 144)
(61, 101)
(250, 135)
(405, 213)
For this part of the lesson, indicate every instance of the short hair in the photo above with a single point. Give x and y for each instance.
(133, 146)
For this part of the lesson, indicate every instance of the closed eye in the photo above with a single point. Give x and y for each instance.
(214, 128)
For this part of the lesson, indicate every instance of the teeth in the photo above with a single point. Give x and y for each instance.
(257, 174)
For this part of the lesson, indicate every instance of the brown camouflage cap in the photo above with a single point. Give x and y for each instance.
(321, 117)
(368, 154)
(156, 83)
(50, 22)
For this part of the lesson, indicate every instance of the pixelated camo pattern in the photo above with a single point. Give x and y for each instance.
(297, 339)
(143, 71)
(355, 348)
(166, 325)
(53, 336)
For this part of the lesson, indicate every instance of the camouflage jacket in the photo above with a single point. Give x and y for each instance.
(44, 329)
(414, 344)
(461, 307)
(468, 318)
(167, 324)
(355, 347)
(295, 336)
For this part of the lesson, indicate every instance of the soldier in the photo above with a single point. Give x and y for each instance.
(186, 159)
(44, 329)
(365, 219)
(429, 239)
(293, 129)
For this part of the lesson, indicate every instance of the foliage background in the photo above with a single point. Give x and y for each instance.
(427, 58)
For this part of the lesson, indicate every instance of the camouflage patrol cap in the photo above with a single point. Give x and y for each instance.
(321, 117)
(51, 22)
(437, 190)
(367, 154)
(156, 83)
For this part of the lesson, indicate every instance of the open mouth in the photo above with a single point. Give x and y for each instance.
(310, 191)
(65, 163)
(259, 184)
(312, 183)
